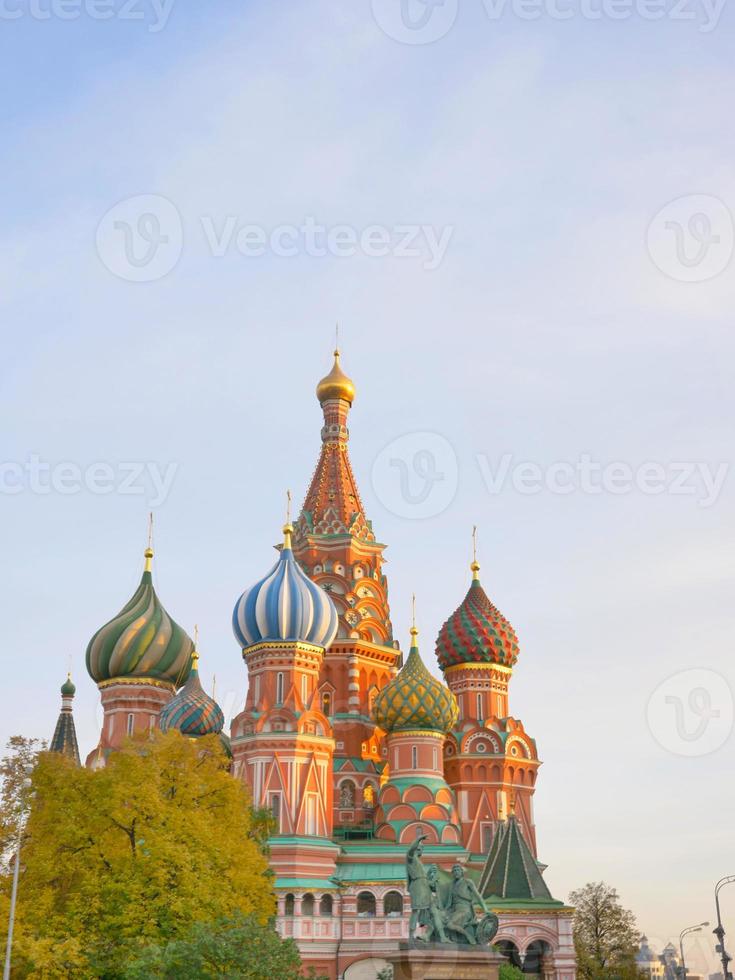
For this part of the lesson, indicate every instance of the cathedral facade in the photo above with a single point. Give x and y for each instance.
(355, 749)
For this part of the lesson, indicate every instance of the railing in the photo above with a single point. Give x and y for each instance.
(354, 927)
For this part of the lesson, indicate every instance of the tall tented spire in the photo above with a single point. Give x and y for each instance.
(65, 734)
(333, 505)
(511, 871)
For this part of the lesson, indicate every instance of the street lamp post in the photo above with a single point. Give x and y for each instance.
(26, 785)
(341, 885)
(719, 931)
(685, 932)
(11, 917)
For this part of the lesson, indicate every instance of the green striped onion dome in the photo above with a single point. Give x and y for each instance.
(192, 711)
(476, 632)
(142, 641)
(414, 699)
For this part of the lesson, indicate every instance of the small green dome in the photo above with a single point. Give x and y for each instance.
(68, 688)
(142, 641)
(414, 699)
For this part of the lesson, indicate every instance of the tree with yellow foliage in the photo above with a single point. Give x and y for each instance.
(131, 855)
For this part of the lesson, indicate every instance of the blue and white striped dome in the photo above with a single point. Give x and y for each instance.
(285, 606)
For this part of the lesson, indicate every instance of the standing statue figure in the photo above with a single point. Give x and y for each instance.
(418, 886)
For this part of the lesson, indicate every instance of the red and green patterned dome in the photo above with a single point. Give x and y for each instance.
(476, 632)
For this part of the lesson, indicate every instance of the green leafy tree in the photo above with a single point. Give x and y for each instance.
(605, 934)
(509, 972)
(233, 947)
(130, 855)
(15, 772)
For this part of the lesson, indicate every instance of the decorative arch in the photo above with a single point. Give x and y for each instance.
(393, 903)
(418, 794)
(412, 831)
(508, 949)
(366, 904)
(346, 794)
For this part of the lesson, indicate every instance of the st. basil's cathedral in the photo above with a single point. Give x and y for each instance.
(354, 750)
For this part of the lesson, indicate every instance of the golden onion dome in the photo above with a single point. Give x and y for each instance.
(414, 699)
(336, 384)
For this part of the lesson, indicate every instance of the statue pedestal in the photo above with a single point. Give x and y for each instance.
(445, 961)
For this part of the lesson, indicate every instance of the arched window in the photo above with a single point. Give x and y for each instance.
(307, 904)
(327, 703)
(414, 757)
(479, 708)
(393, 904)
(290, 904)
(279, 688)
(131, 723)
(304, 689)
(347, 795)
(256, 690)
(366, 904)
(510, 951)
(325, 905)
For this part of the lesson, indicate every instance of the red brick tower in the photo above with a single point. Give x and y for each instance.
(335, 545)
(489, 760)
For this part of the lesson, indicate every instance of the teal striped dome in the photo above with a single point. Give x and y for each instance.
(192, 711)
(141, 642)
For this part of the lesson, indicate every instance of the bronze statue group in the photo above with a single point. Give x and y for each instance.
(446, 918)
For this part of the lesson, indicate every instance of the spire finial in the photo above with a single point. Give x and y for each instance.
(195, 653)
(413, 631)
(336, 339)
(149, 550)
(288, 526)
(475, 566)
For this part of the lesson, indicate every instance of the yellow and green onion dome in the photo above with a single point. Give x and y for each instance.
(414, 699)
(141, 642)
(476, 632)
(192, 711)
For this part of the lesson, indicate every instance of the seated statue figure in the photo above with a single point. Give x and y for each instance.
(460, 913)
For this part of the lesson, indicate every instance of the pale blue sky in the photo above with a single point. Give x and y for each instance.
(546, 332)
